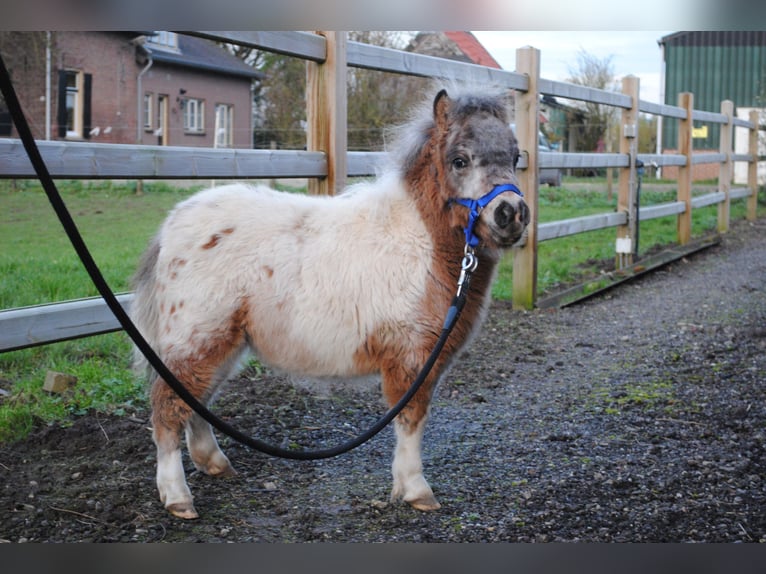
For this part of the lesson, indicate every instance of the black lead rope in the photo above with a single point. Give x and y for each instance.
(127, 324)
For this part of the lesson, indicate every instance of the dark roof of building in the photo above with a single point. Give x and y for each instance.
(715, 38)
(202, 54)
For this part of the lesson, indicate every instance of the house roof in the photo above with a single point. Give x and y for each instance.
(202, 54)
(456, 45)
(472, 48)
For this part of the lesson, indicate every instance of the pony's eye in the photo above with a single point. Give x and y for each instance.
(459, 163)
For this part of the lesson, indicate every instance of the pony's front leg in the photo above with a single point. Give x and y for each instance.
(409, 483)
(407, 468)
(205, 453)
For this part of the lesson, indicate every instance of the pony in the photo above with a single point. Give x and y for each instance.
(333, 286)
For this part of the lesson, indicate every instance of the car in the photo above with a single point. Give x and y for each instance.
(548, 175)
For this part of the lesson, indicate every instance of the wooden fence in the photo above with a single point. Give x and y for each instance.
(327, 163)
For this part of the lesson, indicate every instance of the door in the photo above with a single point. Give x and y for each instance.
(162, 119)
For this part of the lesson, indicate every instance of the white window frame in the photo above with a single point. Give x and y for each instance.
(148, 111)
(224, 125)
(194, 116)
(164, 39)
(76, 92)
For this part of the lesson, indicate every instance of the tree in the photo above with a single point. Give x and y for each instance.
(378, 100)
(593, 72)
(281, 103)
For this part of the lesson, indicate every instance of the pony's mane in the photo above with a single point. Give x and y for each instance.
(407, 140)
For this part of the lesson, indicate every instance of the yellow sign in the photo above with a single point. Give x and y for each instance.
(699, 132)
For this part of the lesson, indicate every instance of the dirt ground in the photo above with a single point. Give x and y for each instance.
(636, 416)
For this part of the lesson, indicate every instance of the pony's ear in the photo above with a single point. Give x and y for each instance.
(441, 101)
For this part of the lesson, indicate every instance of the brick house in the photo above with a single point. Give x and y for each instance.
(131, 87)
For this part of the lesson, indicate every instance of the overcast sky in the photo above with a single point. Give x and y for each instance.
(632, 52)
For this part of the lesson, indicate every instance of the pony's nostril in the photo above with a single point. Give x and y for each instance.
(504, 215)
(524, 215)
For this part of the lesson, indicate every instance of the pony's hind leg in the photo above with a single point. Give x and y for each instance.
(407, 468)
(205, 453)
(169, 416)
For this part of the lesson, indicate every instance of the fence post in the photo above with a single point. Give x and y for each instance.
(326, 113)
(527, 125)
(752, 166)
(725, 171)
(626, 181)
(684, 193)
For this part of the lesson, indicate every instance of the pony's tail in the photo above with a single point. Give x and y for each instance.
(143, 308)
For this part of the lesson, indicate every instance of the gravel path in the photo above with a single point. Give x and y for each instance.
(638, 415)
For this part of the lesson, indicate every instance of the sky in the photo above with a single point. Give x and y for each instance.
(632, 52)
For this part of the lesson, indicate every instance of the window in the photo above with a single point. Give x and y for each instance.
(73, 104)
(163, 39)
(224, 116)
(194, 115)
(73, 115)
(148, 111)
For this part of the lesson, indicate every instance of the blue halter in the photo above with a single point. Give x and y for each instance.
(476, 205)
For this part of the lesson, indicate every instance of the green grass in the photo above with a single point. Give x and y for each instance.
(38, 265)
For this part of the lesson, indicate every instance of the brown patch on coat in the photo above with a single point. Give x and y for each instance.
(216, 238)
(204, 355)
(212, 242)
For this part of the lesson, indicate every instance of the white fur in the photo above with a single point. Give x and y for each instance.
(339, 267)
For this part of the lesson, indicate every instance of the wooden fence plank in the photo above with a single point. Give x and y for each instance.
(362, 55)
(684, 192)
(581, 160)
(583, 93)
(701, 158)
(662, 159)
(752, 168)
(326, 114)
(726, 171)
(661, 210)
(30, 326)
(662, 110)
(741, 193)
(707, 199)
(566, 227)
(627, 183)
(76, 160)
(304, 45)
(527, 127)
(711, 117)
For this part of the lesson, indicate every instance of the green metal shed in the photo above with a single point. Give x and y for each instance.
(715, 66)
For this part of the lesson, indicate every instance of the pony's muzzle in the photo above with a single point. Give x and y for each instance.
(506, 214)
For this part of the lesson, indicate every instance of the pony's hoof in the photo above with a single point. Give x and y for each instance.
(221, 469)
(426, 503)
(225, 472)
(182, 510)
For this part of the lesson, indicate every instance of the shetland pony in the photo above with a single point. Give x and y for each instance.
(339, 286)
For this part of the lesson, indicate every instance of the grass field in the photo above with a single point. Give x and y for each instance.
(37, 265)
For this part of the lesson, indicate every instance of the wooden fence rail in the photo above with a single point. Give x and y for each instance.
(326, 162)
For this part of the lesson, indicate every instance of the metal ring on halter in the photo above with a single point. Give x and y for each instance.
(470, 261)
